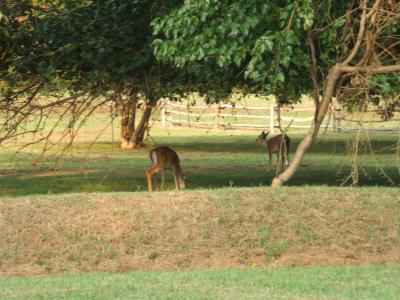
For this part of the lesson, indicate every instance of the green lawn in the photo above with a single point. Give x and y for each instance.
(233, 159)
(367, 282)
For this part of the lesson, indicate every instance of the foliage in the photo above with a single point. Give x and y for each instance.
(86, 45)
(81, 53)
(264, 46)
(250, 40)
(289, 47)
(385, 90)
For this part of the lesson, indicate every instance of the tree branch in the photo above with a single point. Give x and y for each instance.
(360, 34)
(370, 69)
(374, 8)
(314, 70)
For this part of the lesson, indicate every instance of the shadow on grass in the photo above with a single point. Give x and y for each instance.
(124, 181)
(239, 144)
(209, 163)
(246, 144)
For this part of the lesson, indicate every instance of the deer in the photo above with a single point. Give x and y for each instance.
(278, 144)
(164, 158)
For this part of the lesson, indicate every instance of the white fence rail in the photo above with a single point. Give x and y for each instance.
(227, 116)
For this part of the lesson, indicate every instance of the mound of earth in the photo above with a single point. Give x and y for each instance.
(226, 228)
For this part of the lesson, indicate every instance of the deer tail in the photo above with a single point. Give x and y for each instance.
(153, 157)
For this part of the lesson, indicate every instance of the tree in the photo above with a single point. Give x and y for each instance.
(326, 48)
(96, 51)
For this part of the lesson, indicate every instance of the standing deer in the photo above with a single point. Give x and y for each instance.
(278, 144)
(165, 158)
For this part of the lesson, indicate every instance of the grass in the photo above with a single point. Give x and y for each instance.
(233, 158)
(228, 227)
(229, 218)
(368, 282)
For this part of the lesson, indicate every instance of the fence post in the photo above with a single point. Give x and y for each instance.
(188, 113)
(218, 110)
(333, 122)
(164, 113)
(337, 118)
(221, 123)
(339, 125)
(272, 118)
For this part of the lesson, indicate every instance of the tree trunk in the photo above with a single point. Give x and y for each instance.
(138, 135)
(310, 137)
(128, 115)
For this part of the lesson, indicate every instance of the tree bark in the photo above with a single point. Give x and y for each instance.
(314, 71)
(310, 137)
(128, 116)
(370, 69)
(331, 82)
(138, 135)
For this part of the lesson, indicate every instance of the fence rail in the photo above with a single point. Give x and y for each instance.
(228, 116)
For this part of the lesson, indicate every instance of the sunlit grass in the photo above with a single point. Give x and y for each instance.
(210, 159)
(373, 282)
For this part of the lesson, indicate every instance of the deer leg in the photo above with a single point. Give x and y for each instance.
(287, 156)
(285, 153)
(149, 173)
(269, 160)
(282, 162)
(279, 163)
(162, 179)
(155, 181)
(149, 179)
(176, 180)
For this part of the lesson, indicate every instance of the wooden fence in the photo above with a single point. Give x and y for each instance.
(227, 117)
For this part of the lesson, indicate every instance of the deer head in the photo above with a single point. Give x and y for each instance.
(182, 181)
(262, 137)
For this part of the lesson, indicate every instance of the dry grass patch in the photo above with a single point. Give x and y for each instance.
(223, 228)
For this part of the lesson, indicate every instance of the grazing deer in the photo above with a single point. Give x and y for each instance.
(278, 144)
(165, 158)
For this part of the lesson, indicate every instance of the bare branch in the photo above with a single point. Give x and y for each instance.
(374, 8)
(370, 69)
(360, 35)
(314, 70)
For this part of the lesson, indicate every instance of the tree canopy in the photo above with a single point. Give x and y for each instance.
(86, 44)
(84, 47)
(266, 45)
(325, 48)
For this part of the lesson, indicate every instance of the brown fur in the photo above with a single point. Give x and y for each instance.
(165, 158)
(278, 144)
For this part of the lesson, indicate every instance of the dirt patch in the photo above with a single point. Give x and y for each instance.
(227, 228)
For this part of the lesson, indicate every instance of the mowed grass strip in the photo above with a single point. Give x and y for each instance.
(366, 282)
(224, 228)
